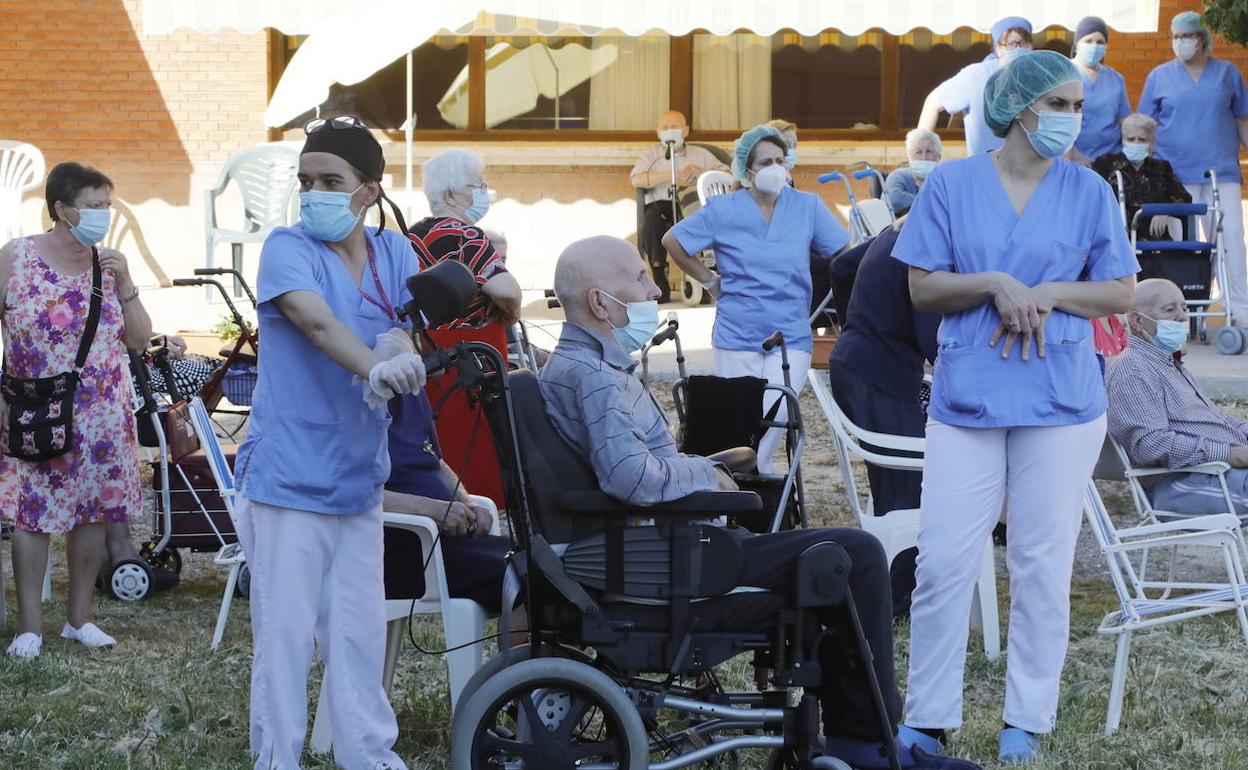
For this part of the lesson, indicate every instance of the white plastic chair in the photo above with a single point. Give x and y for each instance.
(898, 530)
(877, 215)
(1174, 601)
(712, 183)
(21, 169)
(463, 620)
(266, 179)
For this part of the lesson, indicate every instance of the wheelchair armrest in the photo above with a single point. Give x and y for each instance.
(708, 503)
(740, 459)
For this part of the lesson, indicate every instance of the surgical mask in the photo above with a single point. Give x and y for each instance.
(1013, 53)
(92, 226)
(1171, 335)
(921, 168)
(327, 215)
(1055, 132)
(1185, 48)
(643, 321)
(1136, 153)
(771, 180)
(790, 157)
(1090, 54)
(675, 136)
(480, 205)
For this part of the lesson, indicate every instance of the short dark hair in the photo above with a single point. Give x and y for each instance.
(67, 179)
(774, 140)
(1024, 33)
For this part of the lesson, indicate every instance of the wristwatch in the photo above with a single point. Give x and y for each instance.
(132, 297)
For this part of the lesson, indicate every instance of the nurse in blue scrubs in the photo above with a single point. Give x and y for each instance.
(1201, 108)
(1017, 249)
(1104, 92)
(311, 471)
(763, 236)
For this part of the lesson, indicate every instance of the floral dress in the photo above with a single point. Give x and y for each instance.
(98, 480)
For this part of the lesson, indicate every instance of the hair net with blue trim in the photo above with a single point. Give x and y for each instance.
(1189, 21)
(742, 148)
(1030, 76)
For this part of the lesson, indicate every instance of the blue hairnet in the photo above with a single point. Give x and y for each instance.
(744, 146)
(1189, 21)
(1030, 76)
(1004, 25)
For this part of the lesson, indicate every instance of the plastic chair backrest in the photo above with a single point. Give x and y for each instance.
(266, 179)
(876, 215)
(712, 183)
(217, 463)
(21, 168)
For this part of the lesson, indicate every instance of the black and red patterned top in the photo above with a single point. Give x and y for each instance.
(1154, 181)
(437, 239)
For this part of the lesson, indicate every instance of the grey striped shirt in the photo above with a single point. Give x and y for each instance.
(1159, 415)
(599, 405)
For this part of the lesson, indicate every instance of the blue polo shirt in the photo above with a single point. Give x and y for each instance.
(765, 268)
(1196, 128)
(1070, 230)
(313, 444)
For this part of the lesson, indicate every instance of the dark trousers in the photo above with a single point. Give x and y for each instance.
(876, 410)
(845, 697)
(655, 223)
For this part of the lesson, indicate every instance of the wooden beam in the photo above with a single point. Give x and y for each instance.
(276, 44)
(476, 83)
(680, 87)
(890, 83)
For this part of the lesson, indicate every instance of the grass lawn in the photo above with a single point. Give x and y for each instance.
(161, 699)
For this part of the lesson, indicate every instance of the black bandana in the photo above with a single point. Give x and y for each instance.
(354, 145)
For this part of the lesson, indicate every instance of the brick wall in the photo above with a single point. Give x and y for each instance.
(1135, 55)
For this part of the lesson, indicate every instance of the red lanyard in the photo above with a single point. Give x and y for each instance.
(384, 302)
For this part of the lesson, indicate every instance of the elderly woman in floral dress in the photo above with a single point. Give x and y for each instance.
(45, 292)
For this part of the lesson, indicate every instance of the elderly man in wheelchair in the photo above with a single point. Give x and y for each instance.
(637, 592)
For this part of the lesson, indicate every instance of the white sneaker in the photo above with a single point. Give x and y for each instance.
(90, 635)
(26, 645)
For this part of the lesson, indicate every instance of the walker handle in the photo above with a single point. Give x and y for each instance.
(864, 173)
(831, 176)
(776, 338)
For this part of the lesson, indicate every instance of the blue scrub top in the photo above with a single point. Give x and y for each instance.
(964, 92)
(765, 269)
(313, 444)
(1070, 231)
(1196, 127)
(1104, 104)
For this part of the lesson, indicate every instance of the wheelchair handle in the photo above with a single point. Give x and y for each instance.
(776, 338)
(831, 176)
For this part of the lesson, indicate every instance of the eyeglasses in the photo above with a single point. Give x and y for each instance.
(483, 186)
(340, 123)
(1186, 36)
(1016, 44)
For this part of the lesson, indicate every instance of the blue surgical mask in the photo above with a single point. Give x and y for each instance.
(1136, 153)
(921, 168)
(480, 205)
(92, 226)
(1055, 133)
(1171, 335)
(1013, 53)
(790, 157)
(1090, 54)
(643, 320)
(327, 215)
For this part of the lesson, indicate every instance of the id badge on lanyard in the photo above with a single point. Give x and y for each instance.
(381, 301)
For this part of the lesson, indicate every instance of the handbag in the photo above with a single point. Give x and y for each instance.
(41, 409)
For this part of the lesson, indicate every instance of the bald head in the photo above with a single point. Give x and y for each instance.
(1156, 299)
(589, 267)
(671, 119)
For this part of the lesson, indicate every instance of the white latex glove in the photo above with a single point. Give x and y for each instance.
(392, 342)
(405, 373)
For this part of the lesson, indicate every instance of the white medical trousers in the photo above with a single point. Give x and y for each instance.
(1233, 250)
(768, 366)
(967, 474)
(317, 578)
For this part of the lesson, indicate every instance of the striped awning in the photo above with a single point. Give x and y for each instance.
(637, 17)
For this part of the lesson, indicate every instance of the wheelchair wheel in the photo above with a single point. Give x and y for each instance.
(130, 580)
(502, 661)
(550, 713)
(1230, 340)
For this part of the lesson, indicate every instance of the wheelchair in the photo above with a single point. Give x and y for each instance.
(619, 668)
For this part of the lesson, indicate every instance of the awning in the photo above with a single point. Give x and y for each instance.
(635, 17)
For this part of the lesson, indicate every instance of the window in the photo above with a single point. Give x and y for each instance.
(927, 60)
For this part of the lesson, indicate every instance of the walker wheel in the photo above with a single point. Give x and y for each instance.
(168, 559)
(1230, 340)
(692, 292)
(130, 580)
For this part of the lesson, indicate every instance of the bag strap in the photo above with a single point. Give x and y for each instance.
(93, 314)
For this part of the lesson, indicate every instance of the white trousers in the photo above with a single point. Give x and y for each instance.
(967, 474)
(768, 366)
(317, 579)
(1233, 250)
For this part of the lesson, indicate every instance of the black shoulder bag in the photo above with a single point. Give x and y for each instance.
(41, 409)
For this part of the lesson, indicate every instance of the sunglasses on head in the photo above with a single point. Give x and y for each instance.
(340, 123)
